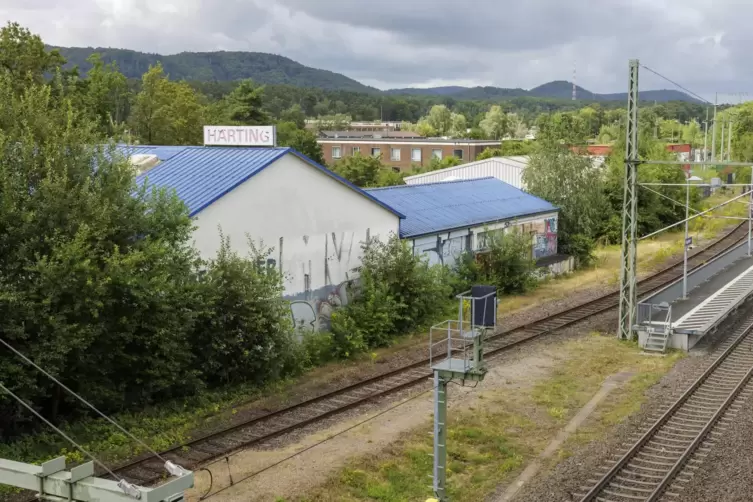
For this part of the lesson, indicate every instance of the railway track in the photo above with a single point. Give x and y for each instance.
(666, 456)
(201, 450)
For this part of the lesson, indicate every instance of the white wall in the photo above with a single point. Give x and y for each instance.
(446, 247)
(507, 169)
(315, 224)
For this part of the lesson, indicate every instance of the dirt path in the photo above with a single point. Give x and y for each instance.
(311, 468)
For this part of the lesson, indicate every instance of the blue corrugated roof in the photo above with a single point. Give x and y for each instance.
(449, 205)
(201, 175)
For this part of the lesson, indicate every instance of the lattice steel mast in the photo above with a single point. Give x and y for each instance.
(628, 293)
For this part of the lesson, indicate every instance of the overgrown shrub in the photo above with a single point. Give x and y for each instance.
(506, 264)
(397, 292)
(243, 332)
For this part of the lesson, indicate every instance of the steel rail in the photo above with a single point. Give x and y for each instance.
(639, 445)
(145, 469)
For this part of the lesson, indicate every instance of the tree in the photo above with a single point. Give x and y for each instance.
(564, 128)
(95, 272)
(425, 129)
(440, 119)
(294, 114)
(167, 113)
(302, 140)
(106, 94)
(24, 57)
(244, 105)
(360, 170)
(459, 127)
(495, 123)
(573, 184)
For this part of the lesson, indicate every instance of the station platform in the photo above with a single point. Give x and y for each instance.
(666, 320)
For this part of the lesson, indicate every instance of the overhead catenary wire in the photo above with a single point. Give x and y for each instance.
(685, 89)
(208, 495)
(77, 396)
(56, 429)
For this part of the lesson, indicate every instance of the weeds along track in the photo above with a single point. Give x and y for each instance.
(147, 470)
(667, 455)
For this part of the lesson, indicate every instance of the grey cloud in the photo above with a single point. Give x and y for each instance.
(408, 42)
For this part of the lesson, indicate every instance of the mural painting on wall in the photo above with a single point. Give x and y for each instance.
(314, 310)
(545, 244)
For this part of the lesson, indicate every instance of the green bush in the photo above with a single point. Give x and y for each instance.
(243, 332)
(506, 264)
(396, 292)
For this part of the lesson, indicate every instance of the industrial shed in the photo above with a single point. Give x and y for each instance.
(314, 219)
(444, 219)
(507, 169)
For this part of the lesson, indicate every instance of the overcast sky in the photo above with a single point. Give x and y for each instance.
(401, 43)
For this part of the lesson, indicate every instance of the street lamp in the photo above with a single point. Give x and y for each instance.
(688, 240)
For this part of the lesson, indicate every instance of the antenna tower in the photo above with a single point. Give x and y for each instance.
(575, 89)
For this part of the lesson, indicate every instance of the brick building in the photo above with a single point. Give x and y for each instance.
(403, 153)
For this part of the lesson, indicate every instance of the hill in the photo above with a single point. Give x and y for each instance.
(218, 66)
(222, 66)
(558, 89)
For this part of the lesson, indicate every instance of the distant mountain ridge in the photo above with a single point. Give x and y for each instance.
(220, 66)
(557, 89)
(273, 69)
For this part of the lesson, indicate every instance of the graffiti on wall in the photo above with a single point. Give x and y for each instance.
(311, 309)
(545, 243)
(314, 315)
(443, 251)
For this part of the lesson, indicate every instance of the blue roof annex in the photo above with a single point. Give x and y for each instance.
(201, 175)
(451, 205)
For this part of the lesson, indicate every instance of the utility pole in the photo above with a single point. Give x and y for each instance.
(721, 146)
(729, 141)
(713, 130)
(705, 137)
(628, 294)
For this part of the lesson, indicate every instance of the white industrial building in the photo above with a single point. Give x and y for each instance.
(315, 220)
(444, 219)
(507, 169)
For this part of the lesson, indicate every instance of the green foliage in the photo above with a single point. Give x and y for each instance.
(288, 134)
(360, 170)
(24, 58)
(573, 184)
(244, 105)
(508, 149)
(243, 332)
(166, 112)
(396, 293)
(505, 263)
(495, 123)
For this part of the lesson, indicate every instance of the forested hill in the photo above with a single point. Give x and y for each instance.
(218, 66)
(558, 89)
(265, 68)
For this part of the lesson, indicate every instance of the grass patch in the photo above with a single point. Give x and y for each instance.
(505, 429)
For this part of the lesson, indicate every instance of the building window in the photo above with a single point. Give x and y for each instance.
(437, 153)
(376, 152)
(458, 153)
(395, 154)
(396, 169)
(336, 152)
(356, 150)
(415, 155)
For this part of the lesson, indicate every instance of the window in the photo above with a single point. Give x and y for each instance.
(356, 150)
(437, 153)
(336, 152)
(458, 153)
(376, 152)
(415, 155)
(395, 154)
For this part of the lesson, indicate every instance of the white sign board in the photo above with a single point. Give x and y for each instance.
(240, 135)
